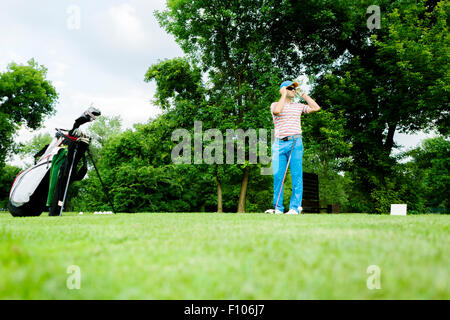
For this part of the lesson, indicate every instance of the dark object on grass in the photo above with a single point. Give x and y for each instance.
(310, 202)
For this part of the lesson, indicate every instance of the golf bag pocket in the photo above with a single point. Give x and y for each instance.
(26, 183)
(57, 162)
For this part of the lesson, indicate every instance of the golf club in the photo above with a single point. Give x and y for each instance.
(68, 180)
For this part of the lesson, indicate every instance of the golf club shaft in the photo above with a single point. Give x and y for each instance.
(287, 166)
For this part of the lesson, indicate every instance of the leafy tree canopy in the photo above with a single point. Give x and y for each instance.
(26, 97)
(382, 81)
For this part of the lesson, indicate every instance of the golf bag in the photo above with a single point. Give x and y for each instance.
(45, 184)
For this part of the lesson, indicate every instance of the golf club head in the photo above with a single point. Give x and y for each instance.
(92, 113)
(87, 116)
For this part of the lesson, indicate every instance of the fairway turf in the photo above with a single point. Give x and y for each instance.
(224, 256)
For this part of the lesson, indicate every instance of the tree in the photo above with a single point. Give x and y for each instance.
(137, 168)
(101, 130)
(7, 175)
(230, 41)
(326, 154)
(185, 99)
(83, 194)
(382, 81)
(432, 158)
(26, 97)
(33, 146)
(104, 128)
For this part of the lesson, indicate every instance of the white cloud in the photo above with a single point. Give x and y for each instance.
(409, 141)
(59, 85)
(122, 27)
(103, 62)
(57, 70)
(133, 106)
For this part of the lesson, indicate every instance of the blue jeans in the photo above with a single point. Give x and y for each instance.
(280, 155)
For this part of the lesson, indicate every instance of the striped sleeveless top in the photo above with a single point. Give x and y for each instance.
(288, 122)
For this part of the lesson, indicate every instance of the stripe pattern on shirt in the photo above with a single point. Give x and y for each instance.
(288, 122)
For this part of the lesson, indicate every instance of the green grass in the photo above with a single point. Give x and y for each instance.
(224, 256)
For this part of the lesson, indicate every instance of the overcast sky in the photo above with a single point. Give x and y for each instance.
(96, 52)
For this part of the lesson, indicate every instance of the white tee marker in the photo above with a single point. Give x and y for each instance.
(398, 209)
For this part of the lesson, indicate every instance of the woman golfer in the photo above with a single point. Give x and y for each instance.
(287, 149)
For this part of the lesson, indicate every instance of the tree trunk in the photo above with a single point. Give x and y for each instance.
(241, 204)
(389, 143)
(219, 195)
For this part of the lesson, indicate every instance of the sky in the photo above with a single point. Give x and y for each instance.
(97, 52)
